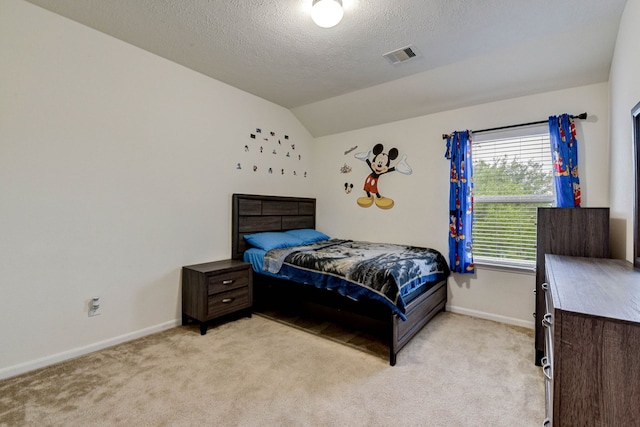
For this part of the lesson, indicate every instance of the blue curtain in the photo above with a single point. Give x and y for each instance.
(564, 153)
(460, 202)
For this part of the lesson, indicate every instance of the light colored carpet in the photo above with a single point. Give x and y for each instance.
(458, 371)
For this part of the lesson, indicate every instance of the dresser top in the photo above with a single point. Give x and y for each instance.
(595, 286)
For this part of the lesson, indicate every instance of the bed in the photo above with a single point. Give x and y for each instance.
(398, 314)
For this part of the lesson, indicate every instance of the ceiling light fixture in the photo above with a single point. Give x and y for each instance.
(327, 13)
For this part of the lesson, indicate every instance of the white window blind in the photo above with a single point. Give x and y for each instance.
(512, 178)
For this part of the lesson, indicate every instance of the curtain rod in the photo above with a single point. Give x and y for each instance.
(582, 116)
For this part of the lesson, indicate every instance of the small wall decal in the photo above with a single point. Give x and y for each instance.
(379, 166)
(348, 187)
(350, 150)
(345, 168)
(276, 143)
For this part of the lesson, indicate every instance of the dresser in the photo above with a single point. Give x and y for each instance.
(566, 231)
(591, 362)
(215, 289)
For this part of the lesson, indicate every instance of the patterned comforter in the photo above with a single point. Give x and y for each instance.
(379, 271)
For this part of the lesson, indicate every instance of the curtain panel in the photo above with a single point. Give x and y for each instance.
(460, 202)
(564, 154)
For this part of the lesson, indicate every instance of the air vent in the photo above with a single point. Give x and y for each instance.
(401, 55)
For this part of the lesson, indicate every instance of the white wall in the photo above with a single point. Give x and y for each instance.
(420, 215)
(117, 168)
(625, 94)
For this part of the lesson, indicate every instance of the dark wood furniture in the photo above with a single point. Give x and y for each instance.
(592, 356)
(257, 213)
(580, 232)
(216, 289)
(635, 120)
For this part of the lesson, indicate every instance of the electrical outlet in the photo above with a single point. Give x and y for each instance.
(94, 306)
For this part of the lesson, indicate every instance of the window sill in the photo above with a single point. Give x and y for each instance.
(505, 266)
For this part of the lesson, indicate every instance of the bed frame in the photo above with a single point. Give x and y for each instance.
(257, 213)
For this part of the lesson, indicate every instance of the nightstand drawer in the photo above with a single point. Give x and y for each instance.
(223, 282)
(228, 302)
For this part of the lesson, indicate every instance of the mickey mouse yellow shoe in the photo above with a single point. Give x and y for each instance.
(384, 203)
(365, 202)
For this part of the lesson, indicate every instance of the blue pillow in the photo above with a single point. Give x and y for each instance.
(308, 235)
(272, 240)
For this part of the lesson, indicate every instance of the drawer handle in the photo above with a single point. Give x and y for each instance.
(547, 320)
(227, 300)
(228, 282)
(546, 370)
(546, 422)
(545, 286)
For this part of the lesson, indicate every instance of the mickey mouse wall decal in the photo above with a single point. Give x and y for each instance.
(348, 187)
(379, 166)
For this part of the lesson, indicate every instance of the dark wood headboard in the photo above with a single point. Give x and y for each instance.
(253, 213)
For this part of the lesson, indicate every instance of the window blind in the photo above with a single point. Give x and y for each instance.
(512, 178)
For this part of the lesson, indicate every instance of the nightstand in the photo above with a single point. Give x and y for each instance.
(215, 289)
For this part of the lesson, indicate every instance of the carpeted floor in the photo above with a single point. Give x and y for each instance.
(458, 371)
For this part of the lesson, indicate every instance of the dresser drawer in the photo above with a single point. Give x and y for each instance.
(547, 324)
(547, 360)
(228, 302)
(548, 403)
(547, 297)
(227, 281)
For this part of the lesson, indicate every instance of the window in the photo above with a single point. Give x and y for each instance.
(512, 178)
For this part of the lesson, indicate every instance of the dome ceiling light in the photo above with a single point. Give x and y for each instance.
(327, 13)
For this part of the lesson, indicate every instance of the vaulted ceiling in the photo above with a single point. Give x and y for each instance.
(336, 79)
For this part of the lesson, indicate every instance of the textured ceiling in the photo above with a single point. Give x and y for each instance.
(336, 79)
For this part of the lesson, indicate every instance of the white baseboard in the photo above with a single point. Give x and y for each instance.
(490, 316)
(22, 368)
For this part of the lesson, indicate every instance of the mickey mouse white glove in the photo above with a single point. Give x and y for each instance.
(403, 167)
(362, 156)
